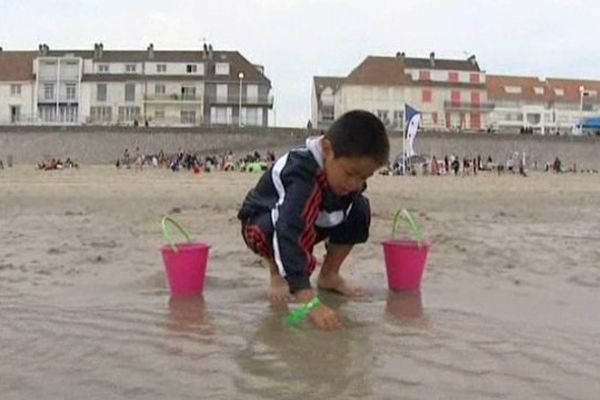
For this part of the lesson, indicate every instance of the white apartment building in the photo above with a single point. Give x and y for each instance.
(543, 106)
(451, 94)
(165, 88)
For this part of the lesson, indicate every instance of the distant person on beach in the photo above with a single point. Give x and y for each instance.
(312, 194)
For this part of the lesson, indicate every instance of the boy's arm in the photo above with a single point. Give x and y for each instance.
(293, 218)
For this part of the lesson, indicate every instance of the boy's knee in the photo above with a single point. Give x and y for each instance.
(355, 229)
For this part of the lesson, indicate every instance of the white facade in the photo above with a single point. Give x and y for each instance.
(168, 88)
(16, 102)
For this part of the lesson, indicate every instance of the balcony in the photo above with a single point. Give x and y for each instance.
(468, 106)
(246, 101)
(173, 98)
(61, 100)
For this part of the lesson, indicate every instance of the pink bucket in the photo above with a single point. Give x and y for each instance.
(186, 267)
(185, 263)
(405, 263)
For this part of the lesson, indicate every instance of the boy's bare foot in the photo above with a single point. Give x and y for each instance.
(336, 283)
(279, 290)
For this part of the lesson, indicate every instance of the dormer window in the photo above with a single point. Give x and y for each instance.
(222, 68)
(130, 68)
(512, 89)
(191, 68)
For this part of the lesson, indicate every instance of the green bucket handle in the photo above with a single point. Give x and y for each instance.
(414, 228)
(167, 234)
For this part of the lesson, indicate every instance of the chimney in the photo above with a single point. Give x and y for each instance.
(472, 59)
(43, 49)
(432, 59)
(100, 50)
(210, 51)
(151, 51)
(400, 56)
(1, 48)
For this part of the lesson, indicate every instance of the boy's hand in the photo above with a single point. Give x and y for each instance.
(322, 316)
(325, 318)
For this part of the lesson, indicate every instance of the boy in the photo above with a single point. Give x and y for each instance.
(311, 194)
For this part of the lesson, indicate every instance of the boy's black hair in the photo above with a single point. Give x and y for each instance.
(359, 133)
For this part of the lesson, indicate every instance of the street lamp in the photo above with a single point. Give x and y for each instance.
(241, 78)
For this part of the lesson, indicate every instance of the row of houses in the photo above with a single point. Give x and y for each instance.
(207, 87)
(454, 95)
(165, 88)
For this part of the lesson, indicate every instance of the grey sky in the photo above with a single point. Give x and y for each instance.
(297, 39)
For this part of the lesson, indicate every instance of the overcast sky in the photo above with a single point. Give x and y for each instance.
(297, 39)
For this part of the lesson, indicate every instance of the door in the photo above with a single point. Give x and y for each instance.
(15, 114)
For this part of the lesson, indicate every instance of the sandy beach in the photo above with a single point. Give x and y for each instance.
(507, 309)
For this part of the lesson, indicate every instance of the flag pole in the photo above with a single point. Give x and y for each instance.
(404, 130)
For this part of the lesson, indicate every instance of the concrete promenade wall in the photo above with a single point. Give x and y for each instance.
(99, 145)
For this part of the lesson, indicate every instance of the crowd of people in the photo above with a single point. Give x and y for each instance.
(515, 163)
(192, 161)
(56, 163)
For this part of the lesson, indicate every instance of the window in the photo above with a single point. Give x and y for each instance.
(102, 67)
(327, 113)
(455, 96)
(101, 92)
(559, 92)
(188, 92)
(47, 113)
(130, 92)
(71, 91)
(398, 118)
(15, 90)
(188, 117)
(538, 90)
(252, 93)
(159, 114)
(48, 91)
(191, 68)
(161, 67)
(159, 89)
(434, 118)
(474, 78)
(383, 116)
(222, 68)
(252, 116)
(221, 92)
(221, 115)
(130, 68)
(101, 114)
(426, 96)
(424, 75)
(475, 120)
(452, 76)
(475, 98)
(128, 113)
(512, 89)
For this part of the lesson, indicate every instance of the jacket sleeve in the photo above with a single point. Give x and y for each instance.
(293, 217)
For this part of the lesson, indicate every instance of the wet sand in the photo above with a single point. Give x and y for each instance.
(508, 307)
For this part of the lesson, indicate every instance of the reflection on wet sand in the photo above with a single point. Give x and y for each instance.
(281, 361)
(406, 307)
(187, 314)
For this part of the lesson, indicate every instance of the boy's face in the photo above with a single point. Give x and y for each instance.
(346, 174)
